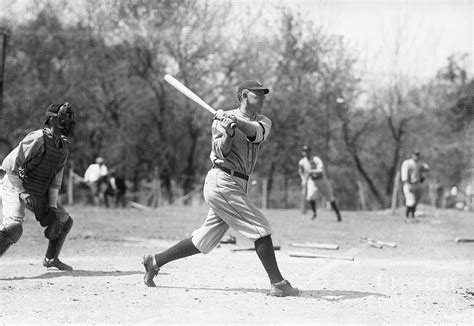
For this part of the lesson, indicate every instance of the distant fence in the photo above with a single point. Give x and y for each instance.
(283, 194)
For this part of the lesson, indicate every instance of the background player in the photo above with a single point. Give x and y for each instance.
(412, 173)
(233, 155)
(96, 178)
(34, 173)
(313, 178)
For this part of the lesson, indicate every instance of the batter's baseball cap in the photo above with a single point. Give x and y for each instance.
(306, 148)
(252, 85)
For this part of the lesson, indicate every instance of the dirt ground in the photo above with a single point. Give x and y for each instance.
(427, 278)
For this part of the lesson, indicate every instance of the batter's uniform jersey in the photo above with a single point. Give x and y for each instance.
(411, 173)
(38, 162)
(226, 185)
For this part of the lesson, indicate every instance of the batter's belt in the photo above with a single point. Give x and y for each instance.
(232, 172)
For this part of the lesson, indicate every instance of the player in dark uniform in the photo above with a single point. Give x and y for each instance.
(34, 173)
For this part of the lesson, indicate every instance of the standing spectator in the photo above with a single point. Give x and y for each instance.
(413, 174)
(313, 178)
(96, 177)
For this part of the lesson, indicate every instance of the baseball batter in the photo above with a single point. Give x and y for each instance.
(34, 172)
(233, 155)
(314, 179)
(412, 173)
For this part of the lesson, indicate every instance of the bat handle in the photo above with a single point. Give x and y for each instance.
(233, 125)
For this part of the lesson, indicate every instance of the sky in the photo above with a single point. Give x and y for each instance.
(412, 38)
(426, 31)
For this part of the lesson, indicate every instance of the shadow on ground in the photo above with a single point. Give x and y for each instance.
(328, 295)
(75, 273)
(339, 295)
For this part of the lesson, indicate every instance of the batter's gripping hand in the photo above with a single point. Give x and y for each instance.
(221, 115)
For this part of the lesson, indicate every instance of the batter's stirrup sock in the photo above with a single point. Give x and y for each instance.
(312, 204)
(407, 214)
(336, 209)
(184, 248)
(266, 254)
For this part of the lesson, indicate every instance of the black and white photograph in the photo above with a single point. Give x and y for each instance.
(236, 162)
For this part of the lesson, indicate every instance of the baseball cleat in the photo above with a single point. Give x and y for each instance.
(150, 270)
(283, 289)
(56, 263)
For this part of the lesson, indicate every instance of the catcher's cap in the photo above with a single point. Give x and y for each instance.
(306, 148)
(252, 85)
(416, 152)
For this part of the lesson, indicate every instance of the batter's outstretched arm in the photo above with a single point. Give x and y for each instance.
(256, 131)
(249, 128)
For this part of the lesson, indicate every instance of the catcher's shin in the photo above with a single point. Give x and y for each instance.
(56, 226)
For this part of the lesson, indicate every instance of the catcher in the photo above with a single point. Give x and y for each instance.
(313, 178)
(34, 173)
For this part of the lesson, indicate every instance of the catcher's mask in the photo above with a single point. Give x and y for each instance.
(65, 115)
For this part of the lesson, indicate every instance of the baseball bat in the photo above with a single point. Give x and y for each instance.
(328, 246)
(464, 240)
(252, 249)
(378, 243)
(311, 255)
(190, 94)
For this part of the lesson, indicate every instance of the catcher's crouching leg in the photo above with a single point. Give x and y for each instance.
(55, 245)
(9, 234)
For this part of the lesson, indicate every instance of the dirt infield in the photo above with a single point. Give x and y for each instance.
(427, 278)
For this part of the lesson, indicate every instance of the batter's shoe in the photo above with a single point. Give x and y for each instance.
(56, 263)
(150, 270)
(283, 289)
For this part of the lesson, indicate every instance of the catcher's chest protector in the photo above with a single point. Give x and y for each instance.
(36, 178)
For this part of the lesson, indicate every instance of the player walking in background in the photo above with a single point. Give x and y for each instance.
(34, 173)
(96, 177)
(233, 155)
(116, 187)
(412, 173)
(313, 178)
